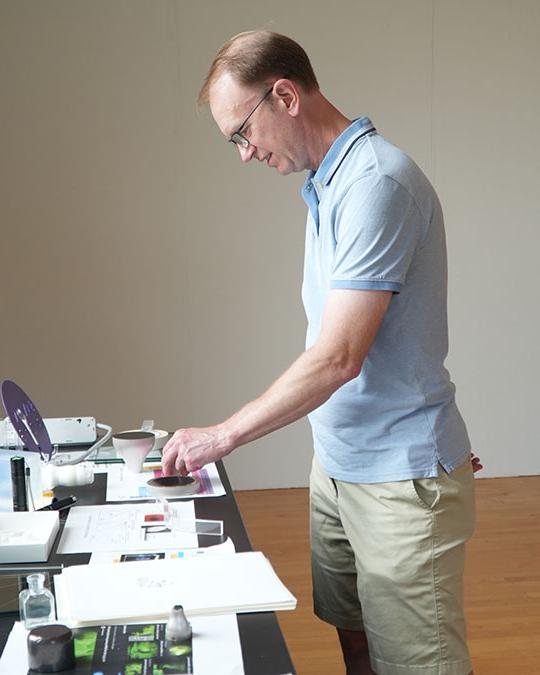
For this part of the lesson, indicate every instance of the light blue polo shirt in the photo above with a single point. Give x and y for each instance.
(375, 223)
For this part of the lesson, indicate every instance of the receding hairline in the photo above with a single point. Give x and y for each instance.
(234, 58)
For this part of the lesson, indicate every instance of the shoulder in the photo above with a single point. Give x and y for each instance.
(378, 169)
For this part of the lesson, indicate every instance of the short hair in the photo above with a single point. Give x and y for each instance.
(255, 57)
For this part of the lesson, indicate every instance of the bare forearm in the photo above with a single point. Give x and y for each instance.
(350, 322)
(309, 381)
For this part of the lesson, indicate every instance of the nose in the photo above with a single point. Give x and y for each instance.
(246, 154)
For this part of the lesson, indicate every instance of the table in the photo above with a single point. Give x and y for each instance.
(263, 647)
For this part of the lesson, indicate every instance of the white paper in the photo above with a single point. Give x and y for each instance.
(123, 486)
(14, 659)
(101, 557)
(216, 647)
(143, 591)
(113, 527)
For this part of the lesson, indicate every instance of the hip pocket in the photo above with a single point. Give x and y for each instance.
(425, 492)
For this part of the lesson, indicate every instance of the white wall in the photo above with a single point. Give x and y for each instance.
(147, 273)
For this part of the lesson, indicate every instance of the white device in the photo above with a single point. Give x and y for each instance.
(68, 475)
(62, 431)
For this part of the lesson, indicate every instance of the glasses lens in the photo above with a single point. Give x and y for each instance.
(238, 139)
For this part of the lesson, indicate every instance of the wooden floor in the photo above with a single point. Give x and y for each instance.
(502, 576)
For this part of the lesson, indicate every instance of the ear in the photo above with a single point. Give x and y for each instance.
(287, 94)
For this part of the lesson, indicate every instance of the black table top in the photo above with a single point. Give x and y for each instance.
(263, 647)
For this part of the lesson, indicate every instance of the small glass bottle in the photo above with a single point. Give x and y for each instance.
(36, 603)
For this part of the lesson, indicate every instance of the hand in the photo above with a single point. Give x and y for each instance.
(190, 449)
(476, 464)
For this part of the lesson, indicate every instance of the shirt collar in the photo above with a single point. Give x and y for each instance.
(339, 148)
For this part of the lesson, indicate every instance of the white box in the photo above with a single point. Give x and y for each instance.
(27, 536)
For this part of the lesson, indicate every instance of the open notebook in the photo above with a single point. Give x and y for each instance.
(146, 590)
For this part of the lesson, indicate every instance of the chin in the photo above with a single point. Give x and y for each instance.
(284, 170)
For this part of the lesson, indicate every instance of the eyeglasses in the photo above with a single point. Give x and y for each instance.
(238, 137)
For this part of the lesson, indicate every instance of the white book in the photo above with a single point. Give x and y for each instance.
(146, 590)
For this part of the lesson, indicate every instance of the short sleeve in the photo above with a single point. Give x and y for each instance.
(377, 228)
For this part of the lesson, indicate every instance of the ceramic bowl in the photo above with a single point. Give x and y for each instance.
(132, 447)
(173, 486)
(160, 437)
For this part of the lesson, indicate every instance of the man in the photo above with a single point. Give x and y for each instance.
(391, 486)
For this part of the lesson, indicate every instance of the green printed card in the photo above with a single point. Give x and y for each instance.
(138, 649)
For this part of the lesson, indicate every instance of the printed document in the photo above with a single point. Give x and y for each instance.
(164, 554)
(123, 486)
(113, 527)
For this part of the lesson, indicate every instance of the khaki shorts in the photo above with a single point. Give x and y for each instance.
(388, 558)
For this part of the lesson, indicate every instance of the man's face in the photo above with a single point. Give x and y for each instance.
(273, 130)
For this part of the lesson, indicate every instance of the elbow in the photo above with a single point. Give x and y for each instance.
(347, 369)
(337, 366)
(353, 370)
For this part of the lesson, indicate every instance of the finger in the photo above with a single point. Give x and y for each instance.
(170, 443)
(166, 466)
(181, 467)
(167, 462)
(476, 466)
(191, 466)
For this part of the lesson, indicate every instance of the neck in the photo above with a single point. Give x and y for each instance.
(323, 124)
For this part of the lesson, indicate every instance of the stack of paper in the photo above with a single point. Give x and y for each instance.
(146, 590)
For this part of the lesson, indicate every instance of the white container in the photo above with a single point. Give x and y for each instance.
(27, 536)
(132, 447)
(69, 475)
(160, 436)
